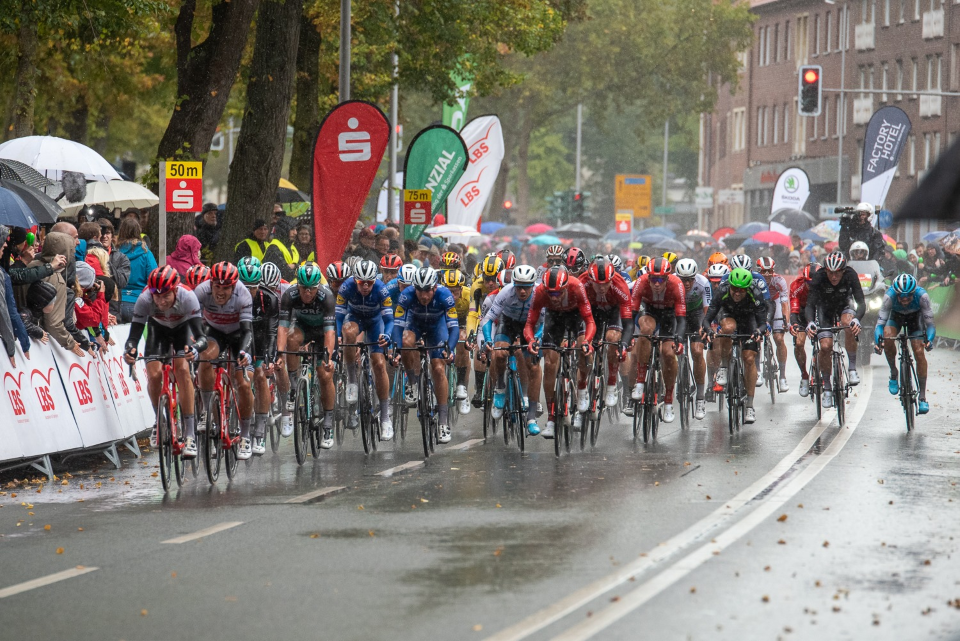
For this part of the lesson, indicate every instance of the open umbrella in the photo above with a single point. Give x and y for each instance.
(509, 231)
(934, 235)
(287, 195)
(577, 230)
(812, 235)
(795, 219)
(19, 172)
(670, 244)
(115, 193)
(723, 232)
(772, 238)
(749, 229)
(51, 156)
(828, 229)
(491, 226)
(286, 184)
(545, 239)
(44, 208)
(699, 237)
(538, 228)
(454, 233)
(651, 239)
(890, 241)
(663, 231)
(14, 212)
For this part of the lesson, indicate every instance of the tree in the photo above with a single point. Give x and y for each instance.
(307, 119)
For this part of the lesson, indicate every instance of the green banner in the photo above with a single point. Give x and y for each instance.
(435, 160)
(940, 298)
(455, 115)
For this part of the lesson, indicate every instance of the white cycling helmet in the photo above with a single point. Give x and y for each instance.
(425, 278)
(741, 260)
(365, 270)
(859, 246)
(406, 274)
(835, 262)
(719, 270)
(616, 261)
(524, 275)
(686, 268)
(271, 275)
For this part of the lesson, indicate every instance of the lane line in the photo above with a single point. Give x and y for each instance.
(213, 529)
(393, 470)
(769, 506)
(45, 580)
(309, 496)
(552, 613)
(462, 446)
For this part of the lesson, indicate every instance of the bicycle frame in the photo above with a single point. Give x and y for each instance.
(369, 415)
(427, 403)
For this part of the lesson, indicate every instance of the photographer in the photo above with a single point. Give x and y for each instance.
(855, 226)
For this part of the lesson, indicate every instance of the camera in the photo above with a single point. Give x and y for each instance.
(848, 215)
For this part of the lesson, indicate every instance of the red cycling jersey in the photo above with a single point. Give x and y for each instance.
(617, 294)
(573, 297)
(798, 295)
(672, 295)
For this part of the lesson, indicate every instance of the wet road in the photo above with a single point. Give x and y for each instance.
(793, 529)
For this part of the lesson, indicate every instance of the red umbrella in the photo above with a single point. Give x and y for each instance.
(723, 232)
(773, 238)
(538, 228)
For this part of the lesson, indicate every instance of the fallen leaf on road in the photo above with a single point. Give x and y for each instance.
(143, 613)
(424, 501)
(708, 497)
(783, 517)
(781, 542)
(498, 505)
(232, 599)
(800, 505)
(370, 532)
(498, 551)
(314, 536)
(766, 568)
(46, 527)
(826, 544)
(59, 550)
(154, 475)
(79, 529)
(693, 590)
(926, 562)
(765, 599)
(477, 628)
(359, 507)
(614, 599)
(173, 575)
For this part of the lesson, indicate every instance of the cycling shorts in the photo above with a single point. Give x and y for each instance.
(916, 328)
(743, 322)
(229, 343)
(436, 335)
(162, 340)
(311, 333)
(832, 318)
(694, 320)
(510, 330)
(260, 344)
(666, 320)
(609, 318)
(557, 325)
(370, 327)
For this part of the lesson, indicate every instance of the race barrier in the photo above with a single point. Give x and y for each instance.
(57, 403)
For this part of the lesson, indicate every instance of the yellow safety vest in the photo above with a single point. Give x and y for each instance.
(255, 249)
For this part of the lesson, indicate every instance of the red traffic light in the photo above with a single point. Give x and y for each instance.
(507, 204)
(577, 196)
(810, 76)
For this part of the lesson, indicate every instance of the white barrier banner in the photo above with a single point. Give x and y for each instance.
(13, 412)
(132, 393)
(92, 409)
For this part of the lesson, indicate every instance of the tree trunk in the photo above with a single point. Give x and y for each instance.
(306, 121)
(255, 171)
(25, 81)
(523, 179)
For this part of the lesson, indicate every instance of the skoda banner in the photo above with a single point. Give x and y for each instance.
(436, 159)
(886, 136)
(484, 139)
(792, 190)
(346, 157)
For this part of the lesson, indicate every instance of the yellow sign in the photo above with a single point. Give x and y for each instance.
(180, 169)
(417, 195)
(634, 194)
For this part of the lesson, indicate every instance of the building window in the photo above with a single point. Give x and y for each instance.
(828, 32)
(886, 13)
(870, 77)
(786, 40)
(815, 122)
(825, 108)
(759, 126)
(936, 146)
(767, 56)
(839, 118)
(816, 35)
(776, 43)
(912, 155)
(938, 73)
(863, 80)
(930, 63)
(786, 123)
(916, 9)
(803, 40)
(739, 128)
(927, 152)
(916, 72)
(899, 80)
(776, 125)
(903, 4)
(954, 66)
(884, 82)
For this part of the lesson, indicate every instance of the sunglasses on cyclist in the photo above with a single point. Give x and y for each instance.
(658, 280)
(425, 289)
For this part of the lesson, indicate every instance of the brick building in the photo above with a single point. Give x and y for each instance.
(896, 47)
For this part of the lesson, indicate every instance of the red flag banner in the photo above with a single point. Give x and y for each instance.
(350, 145)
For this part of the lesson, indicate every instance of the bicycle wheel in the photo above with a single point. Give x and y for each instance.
(273, 421)
(179, 463)
(907, 393)
(571, 408)
(316, 417)
(655, 418)
(364, 407)
(839, 400)
(425, 413)
(453, 404)
(230, 453)
(488, 422)
(638, 410)
(732, 375)
(301, 420)
(399, 406)
(199, 434)
(683, 392)
(769, 373)
(212, 451)
(519, 424)
(559, 403)
(341, 409)
(164, 442)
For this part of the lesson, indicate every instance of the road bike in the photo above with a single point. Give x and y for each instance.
(341, 409)
(646, 412)
(816, 381)
(398, 404)
(515, 405)
(222, 438)
(736, 388)
(170, 440)
(565, 392)
(486, 403)
(273, 418)
(686, 385)
(427, 401)
(368, 402)
(840, 384)
(909, 383)
(597, 385)
(770, 367)
(307, 413)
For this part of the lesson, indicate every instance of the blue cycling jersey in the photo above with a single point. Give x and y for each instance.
(393, 288)
(917, 303)
(350, 302)
(411, 314)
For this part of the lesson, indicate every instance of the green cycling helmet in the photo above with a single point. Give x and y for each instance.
(740, 278)
(251, 271)
(309, 274)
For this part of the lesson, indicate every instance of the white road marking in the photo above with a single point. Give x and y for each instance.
(324, 491)
(464, 445)
(541, 619)
(406, 466)
(769, 505)
(45, 580)
(213, 529)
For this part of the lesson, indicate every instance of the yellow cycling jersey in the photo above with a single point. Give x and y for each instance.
(463, 305)
(478, 292)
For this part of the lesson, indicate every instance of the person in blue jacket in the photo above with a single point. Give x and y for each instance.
(142, 262)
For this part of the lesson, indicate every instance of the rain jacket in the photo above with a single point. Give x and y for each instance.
(18, 327)
(186, 255)
(57, 243)
(142, 263)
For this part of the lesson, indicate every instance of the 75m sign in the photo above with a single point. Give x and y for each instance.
(417, 206)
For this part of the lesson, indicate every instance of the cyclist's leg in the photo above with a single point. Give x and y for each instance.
(647, 325)
(699, 362)
(850, 339)
(410, 358)
(261, 400)
(244, 394)
(205, 372)
(351, 330)
(286, 376)
(668, 357)
(890, 330)
(917, 333)
(479, 370)
(552, 337)
(372, 329)
(825, 357)
(750, 352)
(800, 354)
(154, 381)
(158, 343)
(181, 371)
(724, 346)
(781, 350)
(462, 363)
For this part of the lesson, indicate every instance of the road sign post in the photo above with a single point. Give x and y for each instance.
(633, 193)
(186, 195)
(417, 207)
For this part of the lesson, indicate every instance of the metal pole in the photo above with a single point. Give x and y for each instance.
(666, 156)
(344, 50)
(841, 112)
(392, 169)
(576, 183)
(163, 215)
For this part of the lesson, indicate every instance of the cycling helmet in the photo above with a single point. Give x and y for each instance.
(508, 258)
(224, 273)
(575, 260)
(687, 268)
(809, 270)
(524, 275)
(601, 270)
(251, 271)
(425, 278)
(197, 274)
(718, 271)
(834, 262)
(616, 261)
(338, 272)
(505, 277)
(163, 279)
(390, 261)
(741, 278)
(642, 261)
(309, 275)
(555, 278)
(859, 246)
(492, 265)
(717, 258)
(271, 275)
(742, 261)
(365, 270)
(659, 267)
(453, 278)
(450, 260)
(476, 271)
(554, 251)
(352, 262)
(765, 263)
(670, 256)
(904, 284)
(406, 274)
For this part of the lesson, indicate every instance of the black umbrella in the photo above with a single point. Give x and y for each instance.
(285, 195)
(938, 196)
(795, 219)
(671, 244)
(14, 212)
(509, 231)
(44, 208)
(23, 173)
(577, 230)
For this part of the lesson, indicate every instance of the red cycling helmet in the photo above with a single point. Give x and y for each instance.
(809, 271)
(602, 270)
(575, 260)
(659, 267)
(555, 278)
(224, 273)
(508, 258)
(163, 279)
(391, 261)
(765, 263)
(196, 275)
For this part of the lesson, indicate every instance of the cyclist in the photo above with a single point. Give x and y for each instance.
(509, 260)
(273, 279)
(508, 315)
(171, 314)
(859, 251)
(390, 264)
(449, 261)
(455, 281)
(641, 267)
(671, 258)
(780, 299)
(699, 293)
(743, 262)
(364, 306)
(568, 310)
(612, 307)
(307, 315)
(798, 322)
(554, 257)
(428, 312)
(739, 307)
(835, 298)
(716, 274)
(907, 305)
(716, 258)
(196, 275)
(576, 262)
(337, 274)
(228, 313)
(618, 266)
(661, 309)
(490, 268)
(266, 319)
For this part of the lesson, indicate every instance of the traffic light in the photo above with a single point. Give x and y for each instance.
(809, 92)
(555, 205)
(586, 204)
(508, 204)
(577, 205)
